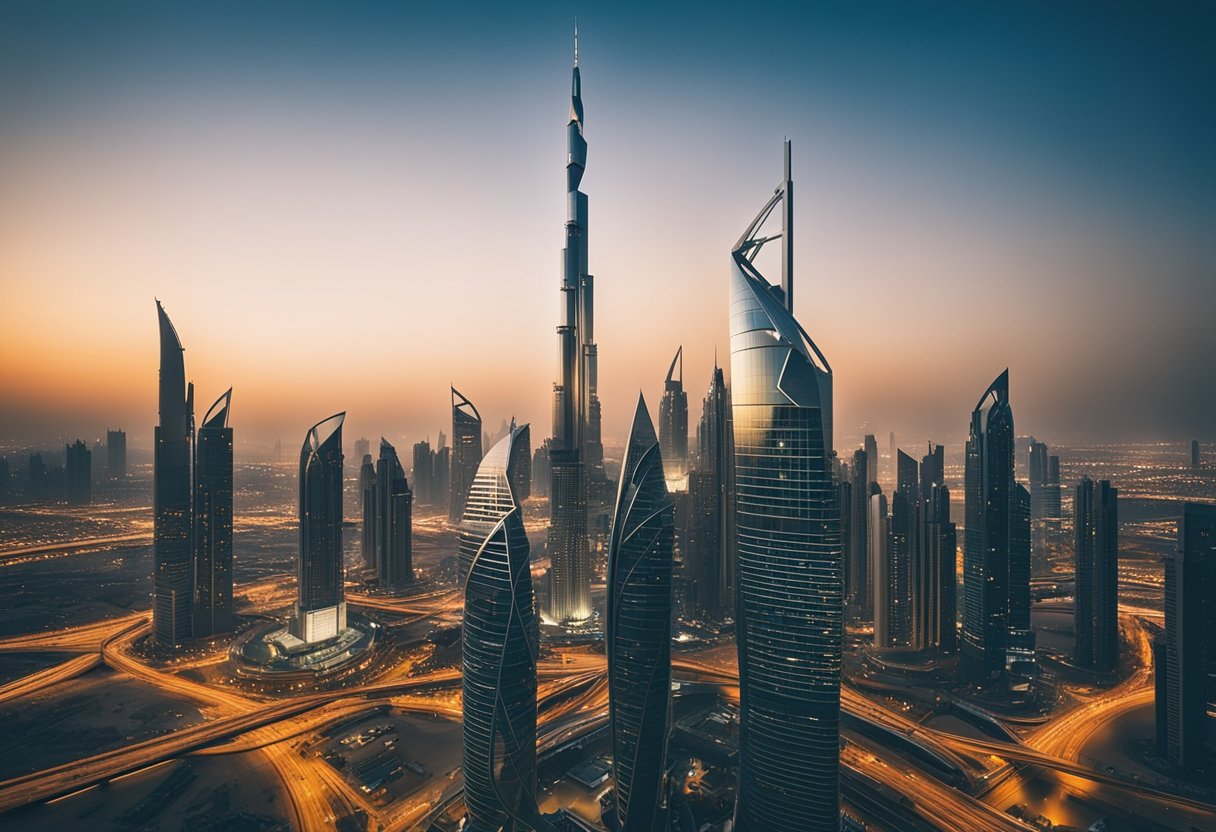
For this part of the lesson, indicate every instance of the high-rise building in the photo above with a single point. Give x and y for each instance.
(940, 546)
(172, 580)
(441, 474)
(499, 644)
(116, 453)
(638, 630)
(424, 474)
(1096, 553)
(1195, 455)
(394, 521)
(541, 470)
(320, 611)
(78, 472)
(577, 455)
(367, 496)
(466, 452)
(871, 449)
(1044, 476)
(1187, 677)
(212, 608)
(1020, 656)
(932, 470)
(363, 447)
(858, 590)
(709, 554)
(789, 575)
(883, 602)
(522, 487)
(990, 568)
(673, 423)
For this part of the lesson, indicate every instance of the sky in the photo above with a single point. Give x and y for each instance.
(350, 206)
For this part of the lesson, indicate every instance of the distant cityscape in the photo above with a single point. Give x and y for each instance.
(742, 624)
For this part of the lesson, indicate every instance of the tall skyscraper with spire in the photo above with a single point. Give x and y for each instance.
(673, 423)
(638, 630)
(172, 582)
(577, 453)
(498, 642)
(213, 522)
(790, 560)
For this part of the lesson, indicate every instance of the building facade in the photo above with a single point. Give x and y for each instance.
(320, 611)
(1096, 566)
(394, 521)
(673, 423)
(212, 613)
(466, 453)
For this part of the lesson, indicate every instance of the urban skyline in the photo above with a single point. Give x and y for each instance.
(759, 621)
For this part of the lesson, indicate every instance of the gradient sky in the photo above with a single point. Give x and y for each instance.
(347, 206)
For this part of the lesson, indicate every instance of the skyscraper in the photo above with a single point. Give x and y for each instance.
(906, 526)
(522, 487)
(320, 611)
(212, 613)
(871, 449)
(710, 552)
(1195, 455)
(941, 545)
(639, 630)
(172, 581)
(1188, 677)
(1096, 552)
(576, 451)
(673, 423)
(1044, 476)
(367, 495)
(499, 649)
(116, 453)
(883, 602)
(424, 473)
(789, 590)
(78, 473)
(990, 497)
(466, 452)
(858, 590)
(394, 521)
(1019, 654)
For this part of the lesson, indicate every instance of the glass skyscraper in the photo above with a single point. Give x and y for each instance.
(320, 611)
(789, 590)
(213, 522)
(466, 452)
(499, 647)
(639, 630)
(394, 521)
(673, 423)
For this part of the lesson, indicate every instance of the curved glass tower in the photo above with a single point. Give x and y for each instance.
(321, 606)
(172, 582)
(466, 452)
(639, 630)
(673, 423)
(790, 558)
(213, 522)
(499, 636)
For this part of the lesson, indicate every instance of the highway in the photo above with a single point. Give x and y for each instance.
(61, 672)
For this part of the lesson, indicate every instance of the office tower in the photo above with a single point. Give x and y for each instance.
(394, 521)
(363, 447)
(212, 612)
(424, 474)
(441, 474)
(932, 470)
(116, 453)
(1044, 475)
(1019, 656)
(673, 423)
(522, 487)
(990, 502)
(172, 580)
(858, 591)
(36, 476)
(78, 471)
(638, 630)
(1052, 517)
(789, 576)
(844, 502)
(1189, 669)
(709, 554)
(907, 551)
(1195, 456)
(320, 611)
(940, 545)
(871, 449)
(541, 471)
(367, 494)
(576, 449)
(499, 649)
(1096, 552)
(880, 568)
(466, 452)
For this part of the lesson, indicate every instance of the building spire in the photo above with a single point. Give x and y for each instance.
(576, 41)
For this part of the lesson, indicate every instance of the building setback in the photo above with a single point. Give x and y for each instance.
(638, 630)
(212, 613)
(789, 591)
(499, 646)
(320, 611)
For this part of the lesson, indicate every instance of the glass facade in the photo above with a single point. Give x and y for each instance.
(499, 645)
(321, 606)
(213, 522)
(639, 630)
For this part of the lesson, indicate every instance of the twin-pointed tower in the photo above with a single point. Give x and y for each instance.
(499, 648)
(576, 451)
(790, 557)
(320, 611)
(673, 424)
(639, 630)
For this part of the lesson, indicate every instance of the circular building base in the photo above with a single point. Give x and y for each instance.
(270, 657)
